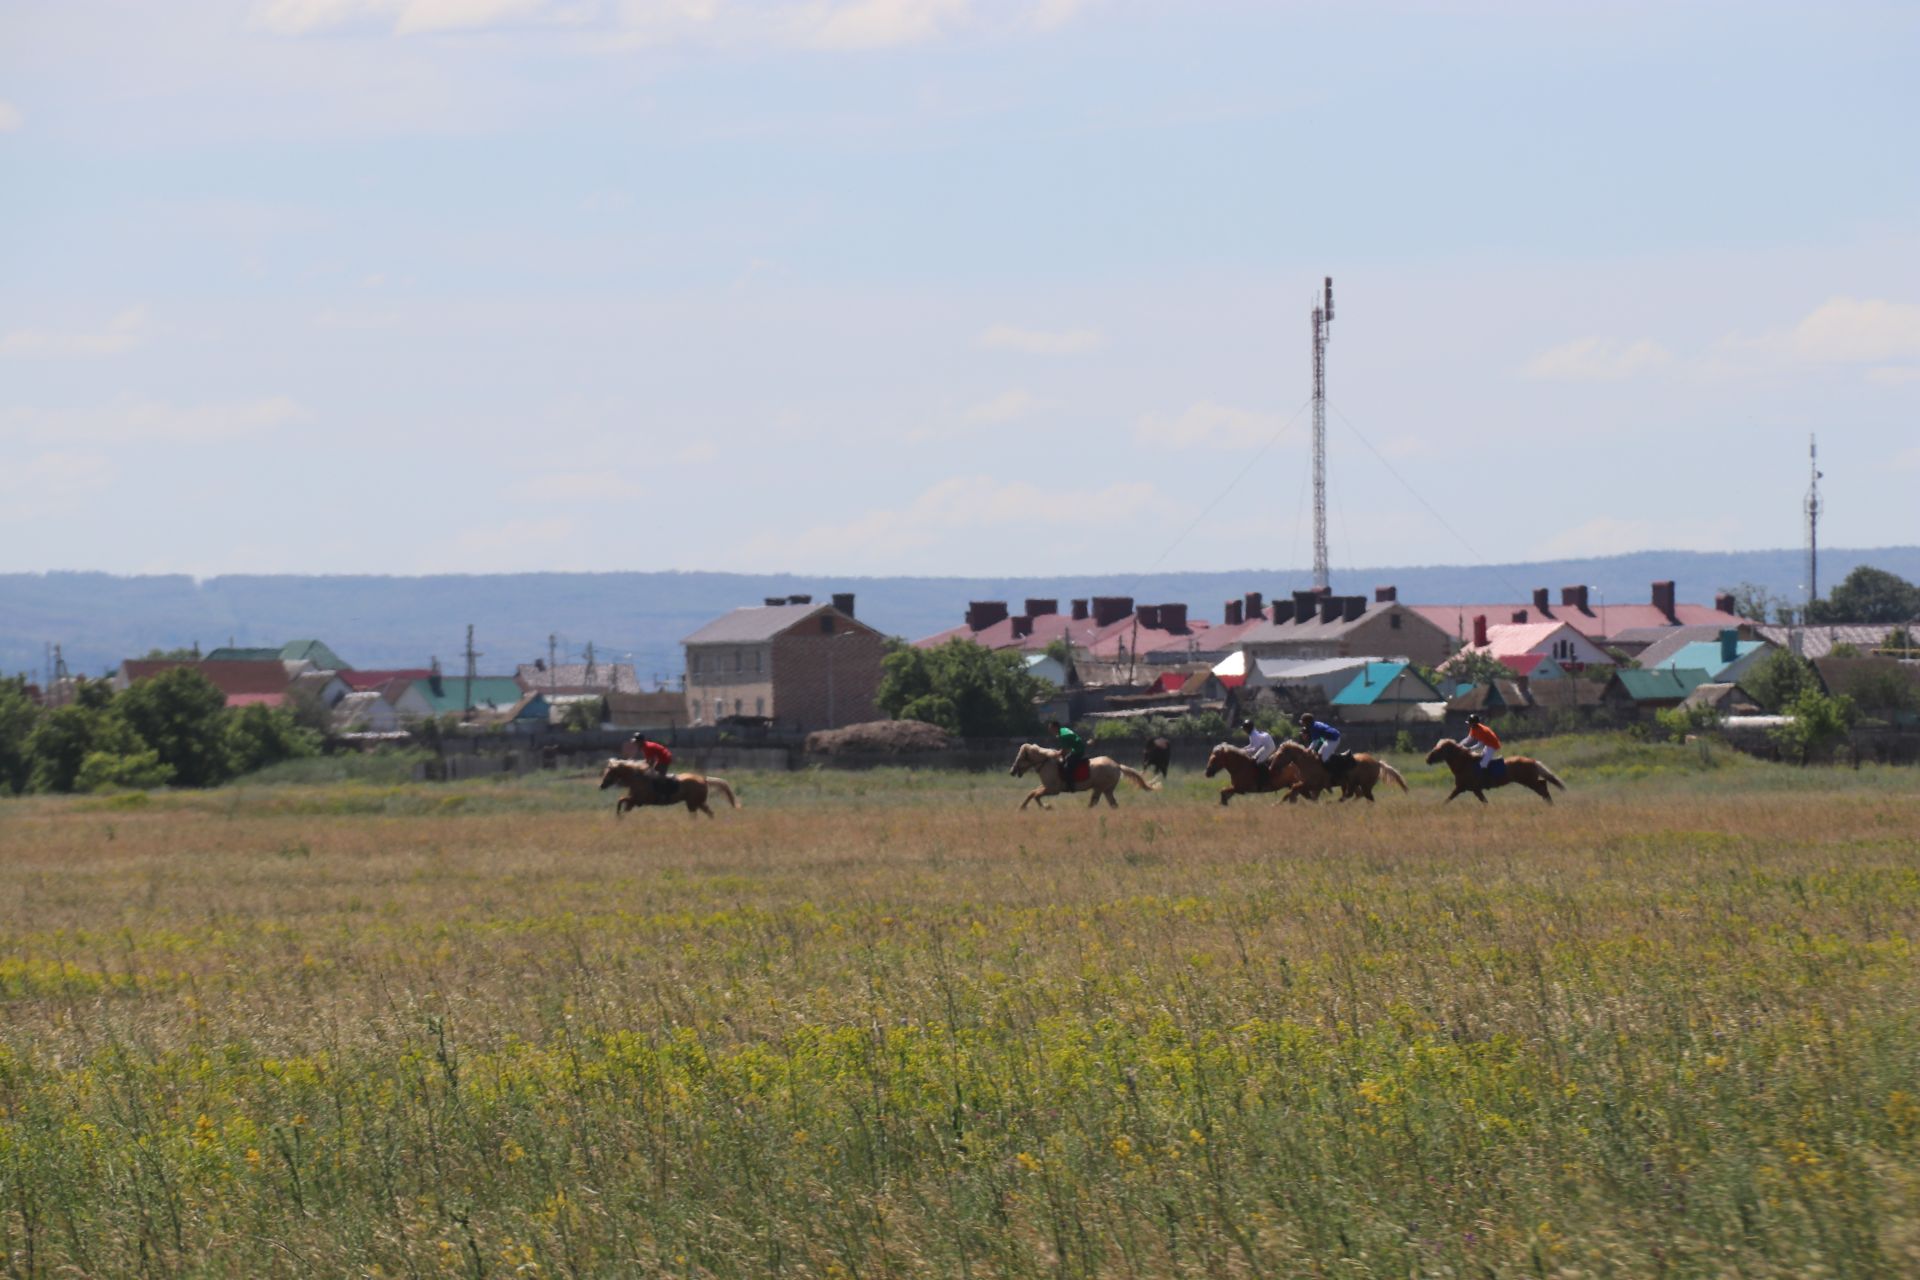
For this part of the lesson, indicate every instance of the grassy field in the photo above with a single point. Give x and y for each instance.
(880, 1025)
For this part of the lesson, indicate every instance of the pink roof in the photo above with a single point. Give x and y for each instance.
(1102, 642)
(256, 699)
(1596, 624)
(231, 678)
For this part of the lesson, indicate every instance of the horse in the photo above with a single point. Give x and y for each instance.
(1247, 776)
(1103, 776)
(1359, 779)
(1158, 755)
(639, 781)
(1468, 776)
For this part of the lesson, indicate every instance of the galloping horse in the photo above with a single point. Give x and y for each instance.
(639, 782)
(1158, 755)
(1468, 776)
(1247, 776)
(1104, 774)
(1359, 780)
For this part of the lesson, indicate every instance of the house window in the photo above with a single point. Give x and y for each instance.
(739, 660)
(826, 624)
(736, 706)
(719, 709)
(1393, 621)
(760, 706)
(694, 661)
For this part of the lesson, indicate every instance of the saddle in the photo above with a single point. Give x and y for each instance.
(1340, 763)
(666, 788)
(1496, 770)
(1073, 773)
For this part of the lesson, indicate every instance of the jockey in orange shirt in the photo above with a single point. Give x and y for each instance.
(1482, 741)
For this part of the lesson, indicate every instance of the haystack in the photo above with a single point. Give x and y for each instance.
(878, 735)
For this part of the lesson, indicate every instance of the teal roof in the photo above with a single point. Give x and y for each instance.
(1705, 655)
(1376, 682)
(489, 693)
(230, 654)
(1661, 682)
(316, 652)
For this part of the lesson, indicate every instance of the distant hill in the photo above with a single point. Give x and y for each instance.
(640, 617)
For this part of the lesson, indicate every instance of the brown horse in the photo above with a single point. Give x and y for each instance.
(1359, 780)
(639, 781)
(1104, 774)
(1468, 776)
(1158, 755)
(1247, 776)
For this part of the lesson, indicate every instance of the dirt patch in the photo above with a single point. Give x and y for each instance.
(878, 735)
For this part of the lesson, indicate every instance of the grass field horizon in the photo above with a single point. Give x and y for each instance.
(882, 1024)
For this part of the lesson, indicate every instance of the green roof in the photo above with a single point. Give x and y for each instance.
(1661, 683)
(1385, 682)
(316, 652)
(489, 693)
(231, 654)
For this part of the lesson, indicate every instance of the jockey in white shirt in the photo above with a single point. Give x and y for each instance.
(1259, 742)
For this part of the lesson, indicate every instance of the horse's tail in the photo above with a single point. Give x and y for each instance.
(1146, 783)
(1549, 775)
(721, 785)
(1393, 773)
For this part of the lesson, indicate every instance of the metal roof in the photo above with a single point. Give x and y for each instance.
(1385, 682)
(1662, 683)
(1706, 655)
(760, 622)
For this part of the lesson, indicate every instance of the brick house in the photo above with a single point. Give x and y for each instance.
(1314, 624)
(788, 660)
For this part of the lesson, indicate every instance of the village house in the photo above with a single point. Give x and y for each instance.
(1725, 660)
(1632, 693)
(1593, 617)
(1538, 650)
(1386, 693)
(243, 683)
(562, 678)
(1314, 624)
(788, 660)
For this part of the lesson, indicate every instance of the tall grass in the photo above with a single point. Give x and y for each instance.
(881, 1025)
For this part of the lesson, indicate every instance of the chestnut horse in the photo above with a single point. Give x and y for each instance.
(638, 779)
(1359, 780)
(1104, 774)
(1249, 777)
(1468, 776)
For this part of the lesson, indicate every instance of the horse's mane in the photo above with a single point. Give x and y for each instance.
(617, 766)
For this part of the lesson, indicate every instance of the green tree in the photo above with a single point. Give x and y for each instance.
(1816, 723)
(581, 716)
(18, 715)
(63, 738)
(181, 715)
(960, 686)
(1679, 722)
(258, 736)
(138, 771)
(1754, 602)
(1900, 639)
(1779, 679)
(1469, 667)
(1868, 595)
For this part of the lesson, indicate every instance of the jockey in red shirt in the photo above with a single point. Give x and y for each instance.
(657, 758)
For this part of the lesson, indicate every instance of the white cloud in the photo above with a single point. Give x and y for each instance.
(122, 333)
(880, 24)
(955, 507)
(1210, 425)
(1049, 14)
(152, 422)
(1894, 375)
(1611, 535)
(1005, 407)
(403, 17)
(10, 117)
(581, 486)
(1040, 342)
(42, 483)
(1859, 331)
(696, 452)
(1601, 359)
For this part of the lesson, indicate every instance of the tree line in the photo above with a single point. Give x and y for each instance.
(174, 729)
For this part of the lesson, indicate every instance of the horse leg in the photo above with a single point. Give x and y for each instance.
(1035, 796)
(1480, 795)
(1226, 794)
(1457, 789)
(1111, 802)
(1093, 801)
(1540, 788)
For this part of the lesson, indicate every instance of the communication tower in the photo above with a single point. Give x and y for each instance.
(1322, 321)
(1813, 522)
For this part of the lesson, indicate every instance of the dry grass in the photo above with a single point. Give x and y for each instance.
(879, 1025)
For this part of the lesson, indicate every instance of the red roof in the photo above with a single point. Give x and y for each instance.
(1596, 623)
(256, 699)
(231, 678)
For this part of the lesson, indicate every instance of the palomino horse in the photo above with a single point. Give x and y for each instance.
(1468, 776)
(1359, 780)
(1104, 774)
(1247, 776)
(638, 779)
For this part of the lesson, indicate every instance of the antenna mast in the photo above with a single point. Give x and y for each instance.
(1813, 522)
(1322, 319)
(472, 668)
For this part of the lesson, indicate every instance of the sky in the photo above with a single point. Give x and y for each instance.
(975, 287)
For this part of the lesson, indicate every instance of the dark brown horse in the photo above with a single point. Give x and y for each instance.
(1359, 779)
(642, 789)
(1249, 777)
(1158, 755)
(1468, 776)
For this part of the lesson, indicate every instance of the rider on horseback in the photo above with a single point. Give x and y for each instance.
(1073, 750)
(657, 758)
(1482, 741)
(1260, 743)
(1322, 739)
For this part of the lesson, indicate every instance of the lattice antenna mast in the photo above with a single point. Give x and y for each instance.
(473, 667)
(1813, 521)
(1322, 321)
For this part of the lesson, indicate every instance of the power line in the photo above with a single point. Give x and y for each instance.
(1207, 510)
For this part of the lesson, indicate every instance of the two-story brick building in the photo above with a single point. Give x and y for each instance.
(814, 666)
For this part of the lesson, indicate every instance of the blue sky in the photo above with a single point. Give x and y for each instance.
(946, 286)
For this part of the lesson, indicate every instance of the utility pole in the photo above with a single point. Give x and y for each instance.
(1813, 522)
(552, 647)
(472, 670)
(589, 680)
(56, 691)
(1322, 321)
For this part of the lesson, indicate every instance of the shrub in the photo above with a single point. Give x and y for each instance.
(1678, 723)
(136, 771)
(1817, 722)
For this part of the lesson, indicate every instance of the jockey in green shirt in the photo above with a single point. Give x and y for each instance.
(1073, 749)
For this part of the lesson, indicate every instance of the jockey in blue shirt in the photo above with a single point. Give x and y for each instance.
(1322, 738)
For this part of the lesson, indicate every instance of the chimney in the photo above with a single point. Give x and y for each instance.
(1041, 608)
(1255, 605)
(1282, 612)
(1386, 595)
(1729, 646)
(1352, 607)
(982, 614)
(1079, 610)
(1149, 615)
(1542, 602)
(1575, 598)
(1173, 617)
(1724, 602)
(1022, 627)
(1233, 613)
(770, 601)
(1330, 608)
(1304, 604)
(1479, 630)
(1519, 615)
(843, 601)
(799, 599)
(1108, 610)
(1663, 599)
